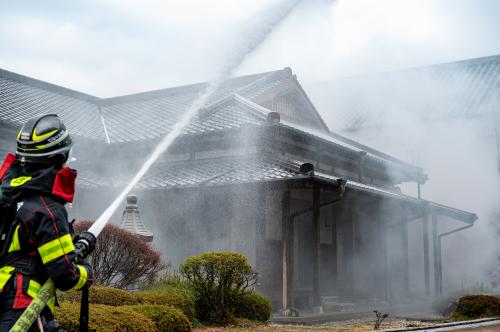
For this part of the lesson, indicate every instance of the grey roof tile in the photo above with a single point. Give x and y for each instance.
(20, 102)
(203, 172)
(466, 89)
(159, 111)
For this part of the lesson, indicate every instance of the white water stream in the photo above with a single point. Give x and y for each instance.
(266, 24)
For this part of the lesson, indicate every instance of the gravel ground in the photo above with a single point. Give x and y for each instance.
(356, 325)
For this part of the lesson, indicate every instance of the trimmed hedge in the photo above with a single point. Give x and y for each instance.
(102, 295)
(477, 306)
(254, 307)
(103, 318)
(118, 297)
(186, 304)
(165, 318)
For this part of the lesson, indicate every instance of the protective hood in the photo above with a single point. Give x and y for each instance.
(50, 181)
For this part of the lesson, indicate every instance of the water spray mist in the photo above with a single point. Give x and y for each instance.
(266, 25)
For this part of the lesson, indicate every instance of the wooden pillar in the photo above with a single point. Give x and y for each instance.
(260, 226)
(316, 244)
(425, 232)
(285, 224)
(334, 257)
(437, 256)
(406, 263)
(354, 219)
(385, 250)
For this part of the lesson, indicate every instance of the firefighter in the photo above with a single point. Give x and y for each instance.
(36, 184)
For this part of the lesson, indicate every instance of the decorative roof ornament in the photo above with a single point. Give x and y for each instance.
(131, 220)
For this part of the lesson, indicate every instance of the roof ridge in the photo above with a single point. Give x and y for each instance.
(46, 86)
(146, 95)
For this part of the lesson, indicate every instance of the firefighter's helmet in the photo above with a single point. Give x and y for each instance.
(44, 140)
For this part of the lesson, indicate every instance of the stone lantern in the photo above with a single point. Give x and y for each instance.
(131, 220)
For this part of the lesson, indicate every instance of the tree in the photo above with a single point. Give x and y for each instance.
(121, 259)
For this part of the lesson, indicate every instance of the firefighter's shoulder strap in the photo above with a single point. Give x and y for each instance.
(8, 222)
(8, 226)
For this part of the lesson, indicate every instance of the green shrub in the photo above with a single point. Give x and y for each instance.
(102, 295)
(169, 282)
(166, 318)
(179, 301)
(254, 307)
(103, 318)
(118, 297)
(477, 306)
(219, 280)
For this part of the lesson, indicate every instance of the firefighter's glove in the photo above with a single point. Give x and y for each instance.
(90, 272)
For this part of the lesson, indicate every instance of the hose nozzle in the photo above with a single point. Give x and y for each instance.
(85, 244)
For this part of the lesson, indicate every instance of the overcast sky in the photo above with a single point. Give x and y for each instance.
(115, 47)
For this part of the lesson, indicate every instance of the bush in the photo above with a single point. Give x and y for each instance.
(186, 304)
(166, 319)
(118, 297)
(120, 258)
(103, 318)
(254, 307)
(477, 306)
(102, 295)
(219, 280)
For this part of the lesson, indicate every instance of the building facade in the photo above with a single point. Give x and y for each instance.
(256, 171)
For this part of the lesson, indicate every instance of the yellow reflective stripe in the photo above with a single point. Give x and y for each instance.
(52, 304)
(19, 181)
(14, 244)
(5, 273)
(83, 278)
(37, 137)
(56, 248)
(48, 145)
(33, 288)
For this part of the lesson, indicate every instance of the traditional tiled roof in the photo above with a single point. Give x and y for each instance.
(152, 114)
(255, 169)
(22, 98)
(203, 172)
(433, 207)
(160, 110)
(463, 89)
(127, 118)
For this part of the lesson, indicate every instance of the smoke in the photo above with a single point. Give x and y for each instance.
(444, 126)
(402, 114)
(251, 42)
